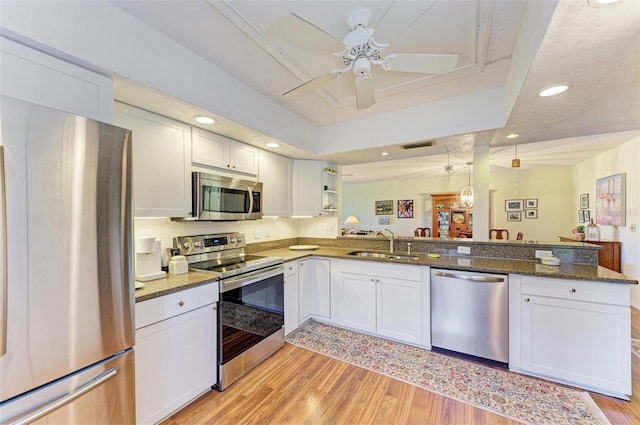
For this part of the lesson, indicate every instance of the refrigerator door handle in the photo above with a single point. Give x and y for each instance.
(3, 259)
(82, 390)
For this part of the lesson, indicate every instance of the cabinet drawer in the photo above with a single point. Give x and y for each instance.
(597, 292)
(375, 268)
(162, 308)
(290, 268)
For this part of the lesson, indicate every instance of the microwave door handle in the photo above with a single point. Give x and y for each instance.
(250, 200)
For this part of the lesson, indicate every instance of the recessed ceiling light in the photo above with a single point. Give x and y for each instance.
(273, 145)
(384, 153)
(512, 135)
(553, 90)
(204, 120)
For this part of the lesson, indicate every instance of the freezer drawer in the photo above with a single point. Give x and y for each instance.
(470, 313)
(100, 394)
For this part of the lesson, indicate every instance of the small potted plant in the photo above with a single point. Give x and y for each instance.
(578, 232)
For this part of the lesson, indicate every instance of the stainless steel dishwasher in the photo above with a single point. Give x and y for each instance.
(470, 313)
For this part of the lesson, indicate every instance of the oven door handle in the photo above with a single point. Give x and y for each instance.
(253, 277)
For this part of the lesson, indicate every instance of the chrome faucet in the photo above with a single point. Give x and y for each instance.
(390, 240)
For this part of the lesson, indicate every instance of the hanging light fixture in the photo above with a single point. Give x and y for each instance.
(515, 162)
(448, 168)
(515, 165)
(466, 193)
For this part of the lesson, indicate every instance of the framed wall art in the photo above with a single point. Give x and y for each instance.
(587, 216)
(580, 216)
(531, 203)
(530, 213)
(405, 208)
(610, 200)
(584, 201)
(384, 207)
(514, 216)
(513, 205)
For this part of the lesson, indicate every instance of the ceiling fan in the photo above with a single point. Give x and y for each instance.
(360, 51)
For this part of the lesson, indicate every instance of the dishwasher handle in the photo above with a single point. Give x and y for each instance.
(469, 277)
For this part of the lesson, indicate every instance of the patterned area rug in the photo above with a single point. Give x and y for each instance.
(635, 347)
(518, 397)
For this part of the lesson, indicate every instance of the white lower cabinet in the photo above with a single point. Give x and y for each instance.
(357, 302)
(290, 297)
(384, 299)
(398, 306)
(175, 351)
(577, 332)
(314, 286)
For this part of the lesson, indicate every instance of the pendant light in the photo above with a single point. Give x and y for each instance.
(515, 165)
(466, 193)
(448, 168)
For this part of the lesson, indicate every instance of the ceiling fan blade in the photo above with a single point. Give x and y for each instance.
(293, 28)
(365, 96)
(420, 63)
(310, 85)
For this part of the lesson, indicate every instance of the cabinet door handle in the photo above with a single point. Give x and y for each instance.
(527, 299)
(181, 303)
(572, 290)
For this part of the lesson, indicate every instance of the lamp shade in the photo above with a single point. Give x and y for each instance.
(351, 220)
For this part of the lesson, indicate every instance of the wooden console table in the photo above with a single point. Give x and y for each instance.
(608, 256)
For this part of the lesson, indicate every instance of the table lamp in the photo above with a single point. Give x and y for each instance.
(351, 220)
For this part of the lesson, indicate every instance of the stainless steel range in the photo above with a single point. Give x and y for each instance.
(251, 310)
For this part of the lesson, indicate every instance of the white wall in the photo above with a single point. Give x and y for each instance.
(623, 159)
(359, 200)
(552, 187)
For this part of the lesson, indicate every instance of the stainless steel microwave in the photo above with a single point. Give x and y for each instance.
(225, 198)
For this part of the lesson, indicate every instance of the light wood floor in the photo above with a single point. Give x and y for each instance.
(296, 386)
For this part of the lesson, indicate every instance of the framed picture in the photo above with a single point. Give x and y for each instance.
(514, 216)
(531, 203)
(530, 213)
(592, 233)
(405, 208)
(587, 216)
(384, 207)
(580, 216)
(383, 220)
(584, 201)
(513, 205)
(610, 200)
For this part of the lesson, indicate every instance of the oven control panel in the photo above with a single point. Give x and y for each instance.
(199, 244)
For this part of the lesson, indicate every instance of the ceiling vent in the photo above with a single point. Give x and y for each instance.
(416, 145)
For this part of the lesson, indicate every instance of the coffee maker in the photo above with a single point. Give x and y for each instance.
(148, 263)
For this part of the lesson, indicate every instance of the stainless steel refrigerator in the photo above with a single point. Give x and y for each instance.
(67, 295)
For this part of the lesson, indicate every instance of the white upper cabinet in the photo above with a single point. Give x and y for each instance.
(161, 162)
(276, 176)
(39, 78)
(307, 187)
(213, 150)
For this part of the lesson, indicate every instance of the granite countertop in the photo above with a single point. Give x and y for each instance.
(173, 283)
(479, 264)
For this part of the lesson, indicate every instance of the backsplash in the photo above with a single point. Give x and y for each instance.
(256, 231)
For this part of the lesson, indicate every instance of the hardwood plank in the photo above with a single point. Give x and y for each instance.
(297, 386)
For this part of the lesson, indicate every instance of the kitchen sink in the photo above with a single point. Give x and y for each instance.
(382, 255)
